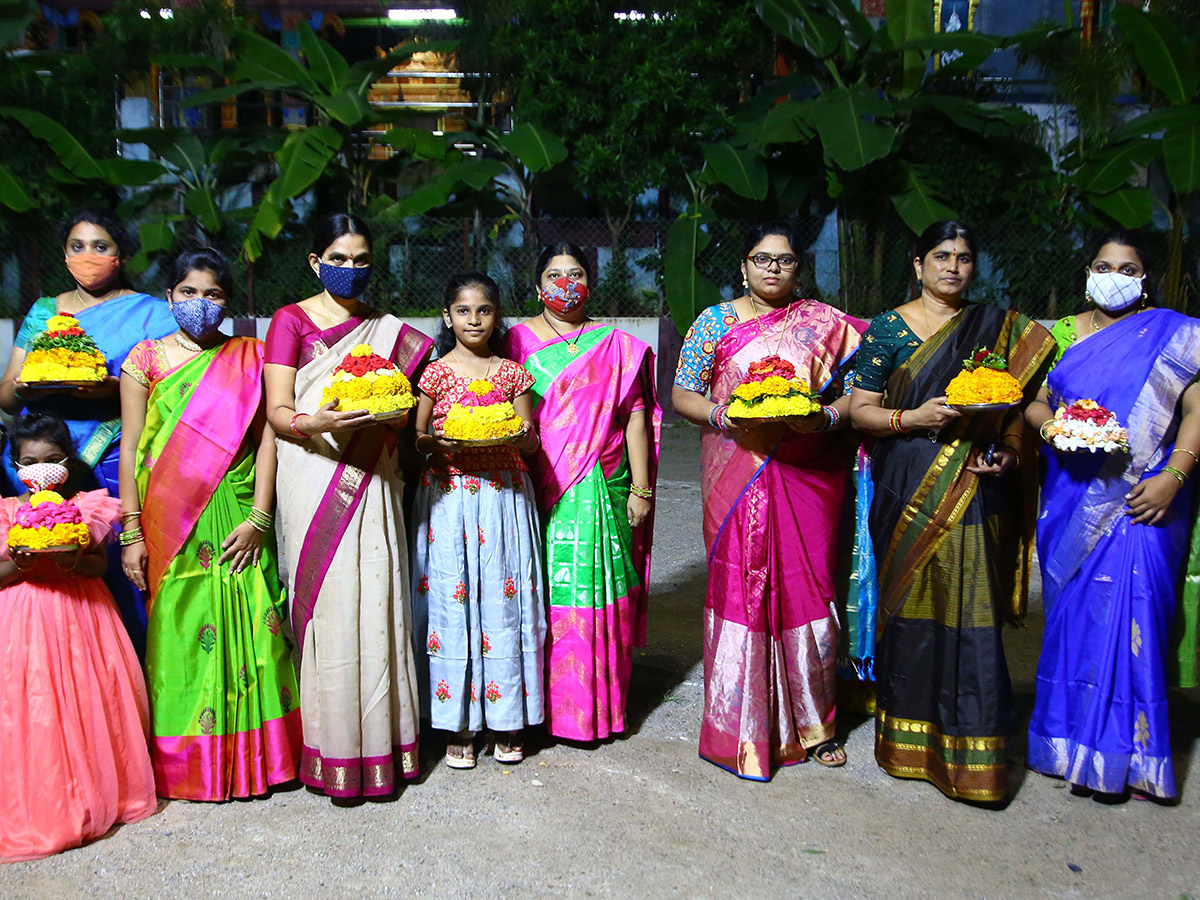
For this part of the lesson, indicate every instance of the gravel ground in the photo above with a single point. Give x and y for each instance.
(645, 816)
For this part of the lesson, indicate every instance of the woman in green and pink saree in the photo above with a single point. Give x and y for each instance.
(599, 421)
(197, 486)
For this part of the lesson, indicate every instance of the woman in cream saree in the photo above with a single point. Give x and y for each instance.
(343, 542)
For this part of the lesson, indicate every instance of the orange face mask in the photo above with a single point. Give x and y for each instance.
(92, 270)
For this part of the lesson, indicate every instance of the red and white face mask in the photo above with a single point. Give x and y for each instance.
(43, 476)
(563, 295)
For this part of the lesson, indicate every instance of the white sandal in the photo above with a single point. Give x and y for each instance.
(466, 752)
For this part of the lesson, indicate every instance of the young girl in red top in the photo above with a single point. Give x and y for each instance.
(477, 582)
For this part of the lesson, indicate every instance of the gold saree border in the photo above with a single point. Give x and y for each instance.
(911, 748)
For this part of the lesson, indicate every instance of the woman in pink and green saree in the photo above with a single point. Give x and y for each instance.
(599, 423)
(773, 498)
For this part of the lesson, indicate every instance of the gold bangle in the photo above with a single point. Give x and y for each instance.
(1188, 452)
(1175, 473)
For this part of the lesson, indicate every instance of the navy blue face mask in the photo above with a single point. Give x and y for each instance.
(344, 281)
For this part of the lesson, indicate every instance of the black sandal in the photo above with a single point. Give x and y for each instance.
(825, 754)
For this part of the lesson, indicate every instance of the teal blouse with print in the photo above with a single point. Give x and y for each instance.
(887, 344)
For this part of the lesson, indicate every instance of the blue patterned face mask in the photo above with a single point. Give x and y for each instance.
(345, 281)
(198, 317)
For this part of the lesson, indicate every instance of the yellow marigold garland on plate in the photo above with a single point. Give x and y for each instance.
(63, 353)
(48, 521)
(983, 381)
(772, 391)
(481, 414)
(366, 381)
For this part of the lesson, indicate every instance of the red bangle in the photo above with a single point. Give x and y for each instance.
(296, 431)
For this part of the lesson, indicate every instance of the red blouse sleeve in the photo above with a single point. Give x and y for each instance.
(519, 378)
(283, 339)
(431, 381)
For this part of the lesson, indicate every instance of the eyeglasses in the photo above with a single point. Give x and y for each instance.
(785, 261)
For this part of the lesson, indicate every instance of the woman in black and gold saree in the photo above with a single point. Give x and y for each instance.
(952, 523)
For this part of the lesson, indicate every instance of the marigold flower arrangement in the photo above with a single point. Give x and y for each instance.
(1085, 425)
(984, 379)
(771, 391)
(364, 380)
(481, 414)
(63, 352)
(48, 521)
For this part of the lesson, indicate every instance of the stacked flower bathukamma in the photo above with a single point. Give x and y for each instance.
(984, 380)
(63, 352)
(48, 521)
(367, 381)
(481, 414)
(1085, 425)
(772, 391)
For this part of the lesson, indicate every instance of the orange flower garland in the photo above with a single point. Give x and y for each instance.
(984, 379)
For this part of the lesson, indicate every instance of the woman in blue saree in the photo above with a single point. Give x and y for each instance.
(1112, 534)
(116, 317)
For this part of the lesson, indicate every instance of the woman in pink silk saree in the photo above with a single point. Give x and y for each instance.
(342, 537)
(599, 423)
(773, 499)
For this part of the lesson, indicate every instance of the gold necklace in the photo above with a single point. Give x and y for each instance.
(572, 345)
(329, 309)
(925, 316)
(186, 343)
(83, 304)
(486, 372)
(782, 332)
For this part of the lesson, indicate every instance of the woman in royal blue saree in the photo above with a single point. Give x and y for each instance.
(1112, 533)
(95, 245)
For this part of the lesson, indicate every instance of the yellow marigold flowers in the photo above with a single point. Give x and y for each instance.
(48, 521)
(772, 391)
(481, 414)
(365, 381)
(63, 352)
(983, 385)
(64, 534)
(771, 386)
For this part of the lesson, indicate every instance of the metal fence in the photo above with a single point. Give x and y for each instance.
(860, 269)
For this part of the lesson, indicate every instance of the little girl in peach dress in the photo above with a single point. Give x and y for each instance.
(73, 710)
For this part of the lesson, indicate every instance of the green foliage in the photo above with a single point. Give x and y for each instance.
(632, 99)
(862, 102)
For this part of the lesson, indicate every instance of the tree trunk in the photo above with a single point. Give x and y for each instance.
(1173, 284)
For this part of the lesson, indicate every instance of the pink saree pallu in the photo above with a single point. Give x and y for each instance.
(598, 568)
(772, 504)
(345, 551)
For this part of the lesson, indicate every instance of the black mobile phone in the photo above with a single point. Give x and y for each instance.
(989, 456)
